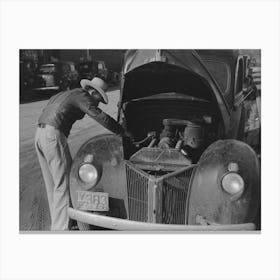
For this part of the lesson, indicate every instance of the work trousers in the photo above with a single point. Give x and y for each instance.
(55, 161)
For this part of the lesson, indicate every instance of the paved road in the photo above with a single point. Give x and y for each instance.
(34, 212)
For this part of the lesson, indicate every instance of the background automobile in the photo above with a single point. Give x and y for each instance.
(87, 69)
(189, 167)
(56, 76)
(27, 74)
(102, 71)
(90, 69)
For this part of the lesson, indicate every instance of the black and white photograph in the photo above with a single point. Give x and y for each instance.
(140, 140)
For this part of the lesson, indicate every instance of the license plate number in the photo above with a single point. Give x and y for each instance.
(93, 201)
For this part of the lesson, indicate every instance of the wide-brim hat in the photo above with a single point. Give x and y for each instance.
(97, 84)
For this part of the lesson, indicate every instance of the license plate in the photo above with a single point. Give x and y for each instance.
(93, 201)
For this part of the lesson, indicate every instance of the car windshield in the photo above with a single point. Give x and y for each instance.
(220, 71)
(50, 68)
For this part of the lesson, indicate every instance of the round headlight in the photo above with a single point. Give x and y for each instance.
(233, 183)
(88, 173)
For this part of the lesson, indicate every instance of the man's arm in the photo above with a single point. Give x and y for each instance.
(88, 106)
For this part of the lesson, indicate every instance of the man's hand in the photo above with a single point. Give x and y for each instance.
(129, 147)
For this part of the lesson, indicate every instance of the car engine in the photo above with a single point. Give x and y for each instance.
(179, 143)
(178, 133)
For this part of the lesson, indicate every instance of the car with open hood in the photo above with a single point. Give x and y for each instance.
(189, 166)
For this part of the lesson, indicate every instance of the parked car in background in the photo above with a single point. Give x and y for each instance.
(189, 166)
(27, 74)
(56, 76)
(113, 78)
(90, 69)
(102, 71)
(87, 69)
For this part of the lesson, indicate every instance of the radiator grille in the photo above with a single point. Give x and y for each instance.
(137, 190)
(167, 205)
(174, 197)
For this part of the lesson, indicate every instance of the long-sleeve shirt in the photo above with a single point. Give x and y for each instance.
(64, 108)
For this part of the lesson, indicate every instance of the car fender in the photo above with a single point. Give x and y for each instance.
(107, 153)
(208, 202)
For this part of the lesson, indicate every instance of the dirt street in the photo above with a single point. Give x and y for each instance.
(34, 212)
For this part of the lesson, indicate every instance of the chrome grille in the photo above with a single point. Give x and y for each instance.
(174, 197)
(158, 199)
(137, 190)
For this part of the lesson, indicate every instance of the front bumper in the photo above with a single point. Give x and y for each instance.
(128, 225)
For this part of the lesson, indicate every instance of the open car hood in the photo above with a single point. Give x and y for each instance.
(188, 59)
(152, 72)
